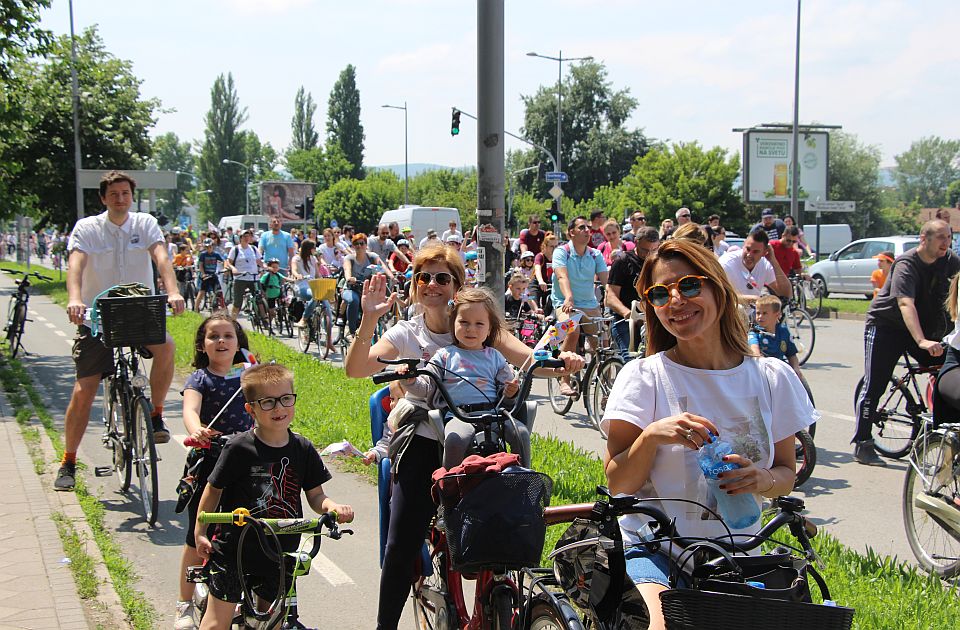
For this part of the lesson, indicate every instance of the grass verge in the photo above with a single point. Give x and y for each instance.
(81, 564)
(26, 402)
(842, 305)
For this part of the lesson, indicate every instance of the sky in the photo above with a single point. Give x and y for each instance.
(884, 70)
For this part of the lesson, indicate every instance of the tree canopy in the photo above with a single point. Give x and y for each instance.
(926, 169)
(343, 119)
(170, 154)
(223, 139)
(305, 135)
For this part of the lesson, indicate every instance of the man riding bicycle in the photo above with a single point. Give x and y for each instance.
(111, 248)
(907, 315)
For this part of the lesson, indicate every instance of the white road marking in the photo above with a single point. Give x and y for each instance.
(39, 318)
(59, 333)
(49, 325)
(179, 438)
(33, 312)
(330, 572)
(69, 342)
(839, 416)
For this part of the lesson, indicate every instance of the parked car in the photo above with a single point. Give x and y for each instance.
(848, 269)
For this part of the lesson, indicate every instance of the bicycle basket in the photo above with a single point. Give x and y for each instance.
(686, 609)
(323, 288)
(133, 321)
(495, 520)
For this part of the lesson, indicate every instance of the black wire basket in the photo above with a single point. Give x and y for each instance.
(494, 520)
(688, 609)
(130, 322)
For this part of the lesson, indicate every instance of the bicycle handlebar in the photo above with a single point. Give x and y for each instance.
(413, 371)
(27, 274)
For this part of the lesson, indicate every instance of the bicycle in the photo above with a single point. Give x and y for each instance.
(931, 498)
(899, 412)
(188, 287)
(284, 322)
(319, 328)
(807, 293)
(720, 578)
(213, 300)
(593, 385)
(129, 323)
(282, 611)
(439, 600)
(256, 310)
(17, 309)
(803, 332)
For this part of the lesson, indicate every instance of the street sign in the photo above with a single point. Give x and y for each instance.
(556, 192)
(831, 206)
(556, 176)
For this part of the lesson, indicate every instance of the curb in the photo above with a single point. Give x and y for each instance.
(834, 314)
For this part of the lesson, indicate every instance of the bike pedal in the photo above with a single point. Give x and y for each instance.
(103, 471)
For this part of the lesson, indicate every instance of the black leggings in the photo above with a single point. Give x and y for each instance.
(411, 509)
(948, 386)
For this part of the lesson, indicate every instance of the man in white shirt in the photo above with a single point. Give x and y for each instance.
(453, 231)
(115, 247)
(754, 267)
(244, 263)
(382, 246)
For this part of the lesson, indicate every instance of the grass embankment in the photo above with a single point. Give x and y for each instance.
(330, 407)
(843, 305)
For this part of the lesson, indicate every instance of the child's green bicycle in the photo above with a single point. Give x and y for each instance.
(282, 611)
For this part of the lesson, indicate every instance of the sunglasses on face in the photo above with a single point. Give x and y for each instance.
(534, 223)
(684, 216)
(442, 278)
(269, 402)
(639, 218)
(688, 286)
(581, 228)
(359, 243)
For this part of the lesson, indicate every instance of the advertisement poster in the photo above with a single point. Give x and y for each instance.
(277, 199)
(768, 157)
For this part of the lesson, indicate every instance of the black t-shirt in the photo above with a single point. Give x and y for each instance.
(514, 307)
(775, 230)
(266, 480)
(926, 283)
(624, 273)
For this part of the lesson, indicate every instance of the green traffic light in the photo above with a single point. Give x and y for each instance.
(454, 131)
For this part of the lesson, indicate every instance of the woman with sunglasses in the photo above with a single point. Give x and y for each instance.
(438, 274)
(697, 379)
(357, 268)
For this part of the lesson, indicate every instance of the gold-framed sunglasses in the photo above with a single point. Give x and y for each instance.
(688, 286)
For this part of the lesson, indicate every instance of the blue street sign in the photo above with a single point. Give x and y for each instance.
(556, 176)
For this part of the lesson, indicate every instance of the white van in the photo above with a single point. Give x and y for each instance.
(420, 219)
(833, 235)
(241, 222)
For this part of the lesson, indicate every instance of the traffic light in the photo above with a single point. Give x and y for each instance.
(555, 215)
(541, 171)
(308, 210)
(455, 123)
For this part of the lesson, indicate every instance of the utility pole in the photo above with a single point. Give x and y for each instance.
(794, 201)
(490, 159)
(75, 100)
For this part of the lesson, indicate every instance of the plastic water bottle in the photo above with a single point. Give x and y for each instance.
(737, 510)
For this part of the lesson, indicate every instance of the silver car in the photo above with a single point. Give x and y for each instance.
(848, 269)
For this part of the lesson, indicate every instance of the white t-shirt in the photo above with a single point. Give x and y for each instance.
(747, 282)
(332, 255)
(116, 254)
(721, 248)
(245, 260)
(754, 405)
(412, 338)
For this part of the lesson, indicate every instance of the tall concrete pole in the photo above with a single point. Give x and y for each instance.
(490, 158)
(794, 201)
(75, 99)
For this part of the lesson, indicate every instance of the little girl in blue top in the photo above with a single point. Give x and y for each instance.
(205, 393)
(472, 372)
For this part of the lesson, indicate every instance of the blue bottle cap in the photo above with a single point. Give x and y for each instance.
(756, 584)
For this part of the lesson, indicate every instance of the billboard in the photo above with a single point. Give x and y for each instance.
(277, 199)
(767, 164)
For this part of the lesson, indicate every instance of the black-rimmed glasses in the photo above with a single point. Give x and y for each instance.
(269, 402)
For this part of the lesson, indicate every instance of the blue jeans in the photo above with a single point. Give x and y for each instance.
(620, 331)
(307, 298)
(352, 298)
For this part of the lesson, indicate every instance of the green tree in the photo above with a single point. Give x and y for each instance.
(853, 177)
(114, 124)
(343, 119)
(321, 167)
(223, 139)
(262, 158)
(597, 148)
(305, 136)
(170, 154)
(359, 202)
(926, 169)
(682, 174)
(953, 194)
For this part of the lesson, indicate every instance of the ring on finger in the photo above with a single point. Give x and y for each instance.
(690, 435)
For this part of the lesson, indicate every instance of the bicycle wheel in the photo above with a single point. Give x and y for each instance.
(600, 386)
(544, 615)
(324, 332)
(561, 404)
(304, 336)
(815, 289)
(931, 490)
(189, 295)
(802, 332)
(119, 442)
(896, 421)
(806, 458)
(15, 331)
(502, 609)
(433, 606)
(145, 460)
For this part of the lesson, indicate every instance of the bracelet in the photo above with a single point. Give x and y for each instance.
(357, 337)
(773, 481)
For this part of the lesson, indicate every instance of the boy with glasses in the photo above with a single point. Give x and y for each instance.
(264, 470)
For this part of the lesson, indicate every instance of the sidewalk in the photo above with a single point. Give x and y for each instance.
(36, 586)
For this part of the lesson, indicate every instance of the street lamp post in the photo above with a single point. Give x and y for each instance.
(559, 59)
(406, 188)
(246, 188)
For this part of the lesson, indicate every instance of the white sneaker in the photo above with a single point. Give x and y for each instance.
(184, 617)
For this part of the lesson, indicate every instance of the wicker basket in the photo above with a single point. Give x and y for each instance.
(133, 321)
(494, 520)
(687, 609)
(323, 288)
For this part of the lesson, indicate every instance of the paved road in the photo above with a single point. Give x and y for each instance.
(844, 497)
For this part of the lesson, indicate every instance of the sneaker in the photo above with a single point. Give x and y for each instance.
(865, 453)
(66, 478)
(161, 434)
(184, 617)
